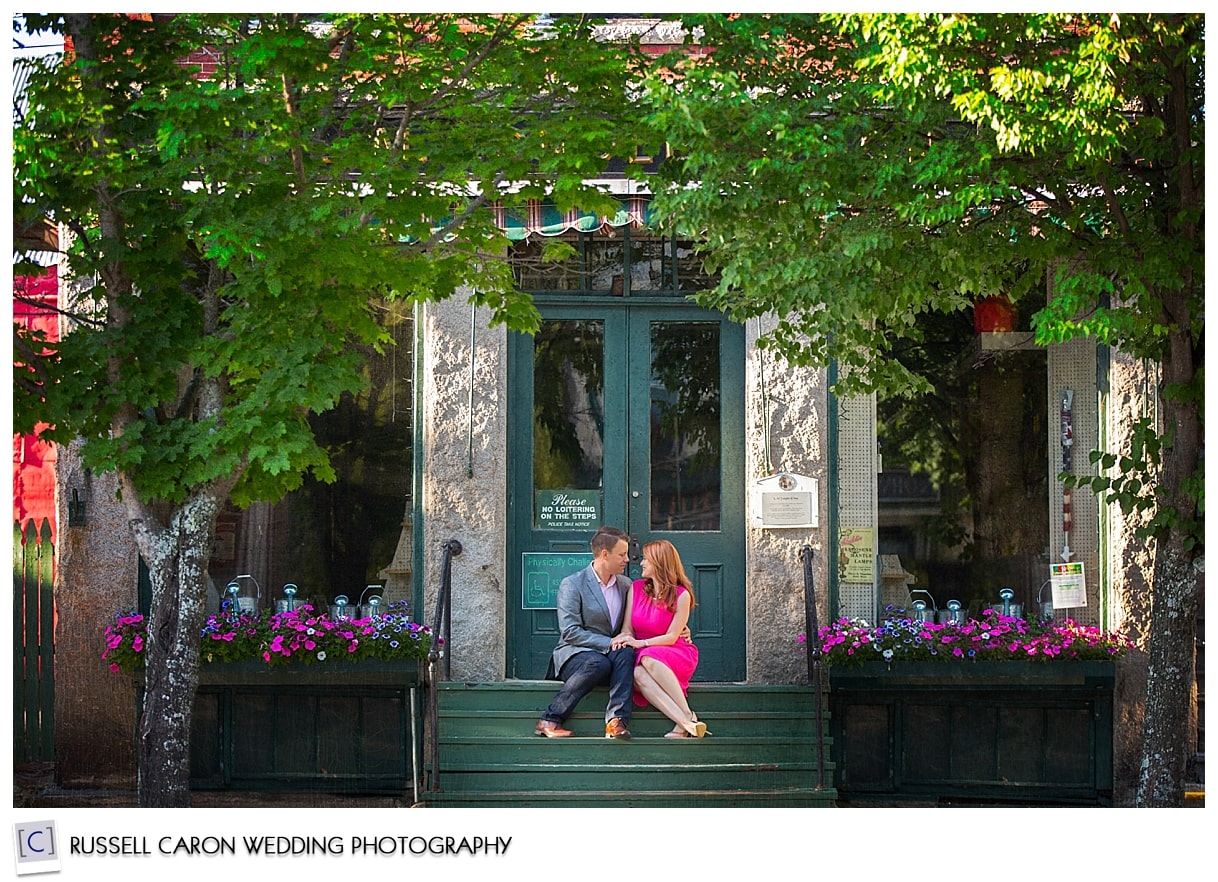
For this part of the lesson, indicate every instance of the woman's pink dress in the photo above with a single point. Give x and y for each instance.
(651, 620)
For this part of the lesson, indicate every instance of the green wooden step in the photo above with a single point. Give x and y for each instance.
(524, 777)
(643, 725)
(691, 751)
(535, 695)
(785, 797)
(763, 750)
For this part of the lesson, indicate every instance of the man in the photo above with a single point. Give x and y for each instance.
(591, 605)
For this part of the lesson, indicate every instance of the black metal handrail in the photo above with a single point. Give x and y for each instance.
(441, 648)
(814, 658)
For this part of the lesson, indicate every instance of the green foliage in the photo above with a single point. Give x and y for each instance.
(232, 230)
(855, 173)
(906, 163)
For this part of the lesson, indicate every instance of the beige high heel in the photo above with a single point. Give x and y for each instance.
(696, 729)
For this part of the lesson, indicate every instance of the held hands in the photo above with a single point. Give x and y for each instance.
(622, 640)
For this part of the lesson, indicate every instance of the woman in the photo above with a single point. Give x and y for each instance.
(657, 611)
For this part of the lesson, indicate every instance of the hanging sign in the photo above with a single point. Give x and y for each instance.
(1069, 585)
(543, 571)
(783, 500)
(568, 509)
(856, 555)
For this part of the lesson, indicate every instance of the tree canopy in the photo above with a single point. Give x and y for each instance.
(936, 159)
(240, 190)
(855, 172)
(286, 167)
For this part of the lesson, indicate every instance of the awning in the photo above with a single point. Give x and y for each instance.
(544, 219)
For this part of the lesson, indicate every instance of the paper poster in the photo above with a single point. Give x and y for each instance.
(1069, 585)
(856, 555)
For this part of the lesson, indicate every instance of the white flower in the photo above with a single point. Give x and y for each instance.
(321, 656)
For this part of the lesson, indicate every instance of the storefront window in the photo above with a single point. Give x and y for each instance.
(337, 538)
(964, 494)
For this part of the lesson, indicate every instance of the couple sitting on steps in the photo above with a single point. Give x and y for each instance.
(621, 634)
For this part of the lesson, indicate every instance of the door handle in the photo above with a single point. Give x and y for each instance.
(636, 552)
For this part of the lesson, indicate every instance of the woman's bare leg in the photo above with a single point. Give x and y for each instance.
(658, 697)
(667, 682)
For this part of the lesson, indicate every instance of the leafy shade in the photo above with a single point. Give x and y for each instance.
(233, 217)
(853, 172)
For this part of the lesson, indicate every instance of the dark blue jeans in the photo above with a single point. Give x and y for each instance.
(586, 670)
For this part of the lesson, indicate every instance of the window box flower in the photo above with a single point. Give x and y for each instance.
(994, 710)
(300, 638)
(297, 701)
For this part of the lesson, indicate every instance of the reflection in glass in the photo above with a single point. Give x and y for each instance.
(568, 405)
(533, 272)
(336, 537)
(606, 259)
(685, 426)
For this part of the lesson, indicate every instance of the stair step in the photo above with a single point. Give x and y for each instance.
(763, 750)
(690, 751)
(783, 797)
(646, 725)
(728, 776)
(536, 694)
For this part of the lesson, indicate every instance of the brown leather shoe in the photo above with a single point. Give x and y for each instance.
(551, 729)
(615, 728)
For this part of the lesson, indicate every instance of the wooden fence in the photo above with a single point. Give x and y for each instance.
(33, 643)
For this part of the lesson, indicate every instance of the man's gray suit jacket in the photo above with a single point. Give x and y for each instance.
(583, 617)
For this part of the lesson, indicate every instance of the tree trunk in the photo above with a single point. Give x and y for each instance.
(177, 561)
(1176, 589)
(1165, 741)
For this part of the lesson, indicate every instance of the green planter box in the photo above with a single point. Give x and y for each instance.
(335, 727)
(985, 731)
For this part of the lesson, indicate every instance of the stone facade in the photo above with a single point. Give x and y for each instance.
(463, 496)
(473, 508)
(464, 481)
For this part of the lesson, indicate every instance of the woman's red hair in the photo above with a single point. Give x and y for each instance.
(666, 574)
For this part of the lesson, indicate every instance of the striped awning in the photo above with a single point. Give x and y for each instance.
(544, 219)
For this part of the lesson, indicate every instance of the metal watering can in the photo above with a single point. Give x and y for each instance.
(288, 602)
(921, 613)
(372, 608)
(1046, 605)
(1005, 606)
(243, 603)
(955, 613)
(340, 611)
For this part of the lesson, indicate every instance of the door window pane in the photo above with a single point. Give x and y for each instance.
(568, 406)
(686, 441)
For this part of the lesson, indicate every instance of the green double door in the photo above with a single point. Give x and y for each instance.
(628, 415)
